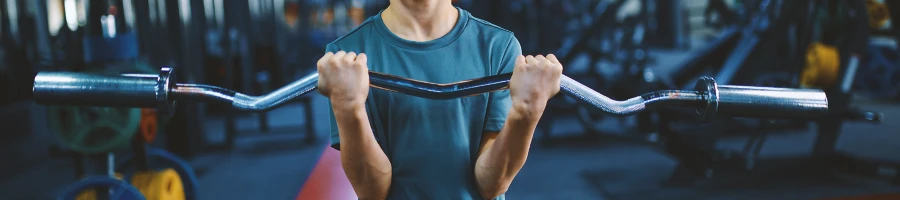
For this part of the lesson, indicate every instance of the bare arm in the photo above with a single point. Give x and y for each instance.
(363, 161)
(503, 154)
(343, 78)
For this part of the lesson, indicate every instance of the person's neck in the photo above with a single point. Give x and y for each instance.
(420, 20)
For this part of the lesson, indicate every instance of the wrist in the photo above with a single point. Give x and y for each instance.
(347, 106)
(530, 110)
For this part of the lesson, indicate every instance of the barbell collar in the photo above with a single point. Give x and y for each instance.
(710, 91)
(165, 104)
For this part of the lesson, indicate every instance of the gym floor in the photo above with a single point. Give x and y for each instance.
(275, 166)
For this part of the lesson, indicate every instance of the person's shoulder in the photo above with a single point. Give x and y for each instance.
(353, 37)
(484, 25)
(488, 31)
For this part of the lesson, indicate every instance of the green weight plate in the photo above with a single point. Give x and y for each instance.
(91, 130)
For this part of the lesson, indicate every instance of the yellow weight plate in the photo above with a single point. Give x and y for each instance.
(91, 194)
(159, 185)
(822, 66)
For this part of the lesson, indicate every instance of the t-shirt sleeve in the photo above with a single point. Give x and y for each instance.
(499, 102)
(335, 137)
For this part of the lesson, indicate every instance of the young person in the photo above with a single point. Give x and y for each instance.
(396, 146)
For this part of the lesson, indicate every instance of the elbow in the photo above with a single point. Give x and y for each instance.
(493, 183)
(374, 189)
(494, 190)
(377, 192)
(373, 196)
(371, 185)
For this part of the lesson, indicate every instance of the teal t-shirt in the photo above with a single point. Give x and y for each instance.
(433, 144)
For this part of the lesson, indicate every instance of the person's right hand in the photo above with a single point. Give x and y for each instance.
(344, 77)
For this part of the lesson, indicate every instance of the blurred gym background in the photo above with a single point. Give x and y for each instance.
(622, 48)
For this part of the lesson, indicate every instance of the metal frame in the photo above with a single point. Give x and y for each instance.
(699, 157)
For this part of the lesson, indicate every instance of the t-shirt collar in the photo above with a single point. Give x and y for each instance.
(427, 45)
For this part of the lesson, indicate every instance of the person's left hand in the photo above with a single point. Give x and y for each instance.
(535, 80)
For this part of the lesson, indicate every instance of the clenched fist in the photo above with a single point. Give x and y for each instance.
(344, 77)
(535, 80)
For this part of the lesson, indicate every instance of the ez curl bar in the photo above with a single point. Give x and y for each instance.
(160, 91)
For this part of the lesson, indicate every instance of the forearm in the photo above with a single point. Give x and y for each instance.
(364, 163)
(502, 160)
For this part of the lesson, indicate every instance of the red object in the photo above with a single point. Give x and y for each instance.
(148, 125)
(327, 179)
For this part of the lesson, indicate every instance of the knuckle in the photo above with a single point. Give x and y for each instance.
(320, 63)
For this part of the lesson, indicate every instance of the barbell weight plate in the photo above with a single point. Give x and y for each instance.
(160, 158)
(139, 180)
(159, 185)
(822, 66)
(92, 130)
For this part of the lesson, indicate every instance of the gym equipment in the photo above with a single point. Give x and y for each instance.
(710, 99)
(327, 179)
(879, 14)
(782, 45)
(605, 45)
(91, 130)
(159, 185)
(127, 90)
(141, 165)
(121, 190)
(822, 66)
(251, 52)
(164, 161)
(91, 194)
(148, 125)
(879, 74)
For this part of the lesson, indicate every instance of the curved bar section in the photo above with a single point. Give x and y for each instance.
(275, 98)
(630, 106)
(442, 91)
(377, 80)
(439, 91)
